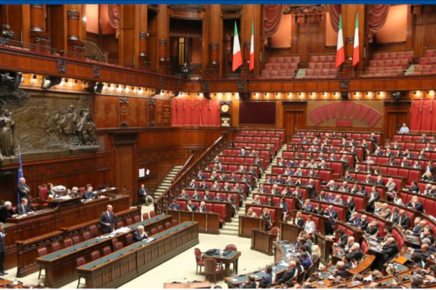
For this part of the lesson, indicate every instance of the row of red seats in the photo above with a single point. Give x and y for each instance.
(223, 194)
(380, 189)
(337, 168)
(427, 60)
(408, 137)
(401, 63)
(207, 173)
(280, 59)
(211, 207)
(304, 191)
(258, 210)
(413, 145)
(280, 133)
(288, 154)
(243, 160)
(316, 180)
(338, 148)
(257, 145)
(427, 202)
(353, 135)
(341, 210)
(279, 74)
(261, 153)
(409, 174)
(394, 55)
(315, 219)
(320, 65)
(324, 174)
(399, 181)
(383, 73)
(320, 73)
(334, 141)
(268, 139)
(430, 53)
(281, 65)
(323, 58)
(221, 183)
(383, 160)
(383, 68)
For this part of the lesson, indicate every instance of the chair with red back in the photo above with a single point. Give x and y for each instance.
(160, 228)
(107, 250)
(43, 194)
(87, 236)
(118, 246)
(175, 222)
(120, 224)
(137, 218)
(153, 231)
(95, 255)
(129, 238)
(232, 247)
(221, 210)
(41, 252)
(145, 216)
(76, 240)
(129, 221)
(211, 269)
(167, 225)
(55, 246)
(198, 260)
(80, 262)
(93, 230)
(152, 213)
(68, 243)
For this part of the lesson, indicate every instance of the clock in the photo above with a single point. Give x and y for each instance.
(225, 108)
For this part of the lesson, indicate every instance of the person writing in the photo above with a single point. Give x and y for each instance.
(6, 211)
(139, 234)
(107, 220)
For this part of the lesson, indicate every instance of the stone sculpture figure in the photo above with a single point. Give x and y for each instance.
(7, 135)
(69, 122)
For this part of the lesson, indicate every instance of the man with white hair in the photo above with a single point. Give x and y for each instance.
(340, 270)
(23, 189)
(202, 207)
(139, 234)
(6, 211)
(355, 254)
(388, 251)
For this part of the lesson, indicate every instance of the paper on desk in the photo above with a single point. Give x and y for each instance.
(234, 280)
(331, 277)
(150, 239)
(369, 278)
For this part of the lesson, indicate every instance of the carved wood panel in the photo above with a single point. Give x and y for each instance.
(106, 114)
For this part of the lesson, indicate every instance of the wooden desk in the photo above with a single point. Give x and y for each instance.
(189, 285)
(49, 220)
(11, 248)
(227, 205)
(65, 259)
(262, 241)
(229, 258)
(208, 223)
(27, 250)
(278, 212)
(130, 262)
(325, 245)
(289, 232)
(247, 223)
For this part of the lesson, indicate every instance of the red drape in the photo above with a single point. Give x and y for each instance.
(334, 11)
(114, 15)
(422, 116)
(273, 16)
(377, 16)
(195, 112)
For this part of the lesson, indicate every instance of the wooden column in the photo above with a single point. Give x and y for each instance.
(18, 18)
(163, 37)
(251, 13)
(38, 34)
(144, 59)
(128, 43)
(349, 13)
(74, 29)
(215, 35)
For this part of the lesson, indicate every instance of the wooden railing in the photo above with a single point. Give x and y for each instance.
(189, 173)
(183, 168)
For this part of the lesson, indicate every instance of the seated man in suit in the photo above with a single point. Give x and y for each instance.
(196, 195)
(107, 220)
(340, 270)
(202, 207)
(416, 204)
(267, 278)
(342, 238)
(23, 189)
(388, 251)
(143, 194)
(74, 192)
(218, 197)
(404, 220)
(24, 207)
(183, 195)
(242, 152)
(139, 234)
(88, 194)
(201, 175)
(355, 254)
(174, 205)
(372, 228)
(6, 211)
(190, 206)
(355, 219)
(192, 184)
(291, 272)
(251, 284)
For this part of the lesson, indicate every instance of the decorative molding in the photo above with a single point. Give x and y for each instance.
(163, 41)
(231, 7)
(73, 14)
(185, 7)
(143, 35)
(124, 124)
(225, 103)
(62, 65)
(96, 70)
(214, 46)
(344, 83)
(98, 54)
(304, 9)
(124, 100)
(241, 85)
(125, 139)
(205, 85)
(151, 124)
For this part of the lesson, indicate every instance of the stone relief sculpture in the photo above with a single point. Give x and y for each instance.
(7, 139)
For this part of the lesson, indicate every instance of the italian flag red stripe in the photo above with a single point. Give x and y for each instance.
(237, 56)
(252, 47)
(340, 52)
(356, 42)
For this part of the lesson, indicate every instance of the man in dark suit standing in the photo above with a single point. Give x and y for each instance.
(139, 234)
(88, 194)
(24, 207)
(107, 220)
(2, 249)
(23, 189)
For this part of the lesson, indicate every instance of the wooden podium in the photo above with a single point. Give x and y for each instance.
(289, 232)
(247, 223)
(262, 241)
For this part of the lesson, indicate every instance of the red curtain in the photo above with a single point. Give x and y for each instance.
(377, 16)
(335, 12)
(273, 16)
(195, 112)
(422, 116)
(114, 15)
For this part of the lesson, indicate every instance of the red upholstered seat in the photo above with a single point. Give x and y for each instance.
(364, 247)
(145, 216)
(107, 250)
(221, 210)
(95, 255)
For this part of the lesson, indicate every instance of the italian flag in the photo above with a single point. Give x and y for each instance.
(340, 52)
(237, 56)
(252, 47)
(356, 42)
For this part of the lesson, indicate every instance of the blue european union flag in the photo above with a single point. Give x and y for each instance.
(20, 174)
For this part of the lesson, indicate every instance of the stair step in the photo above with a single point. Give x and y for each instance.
(228, 232)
